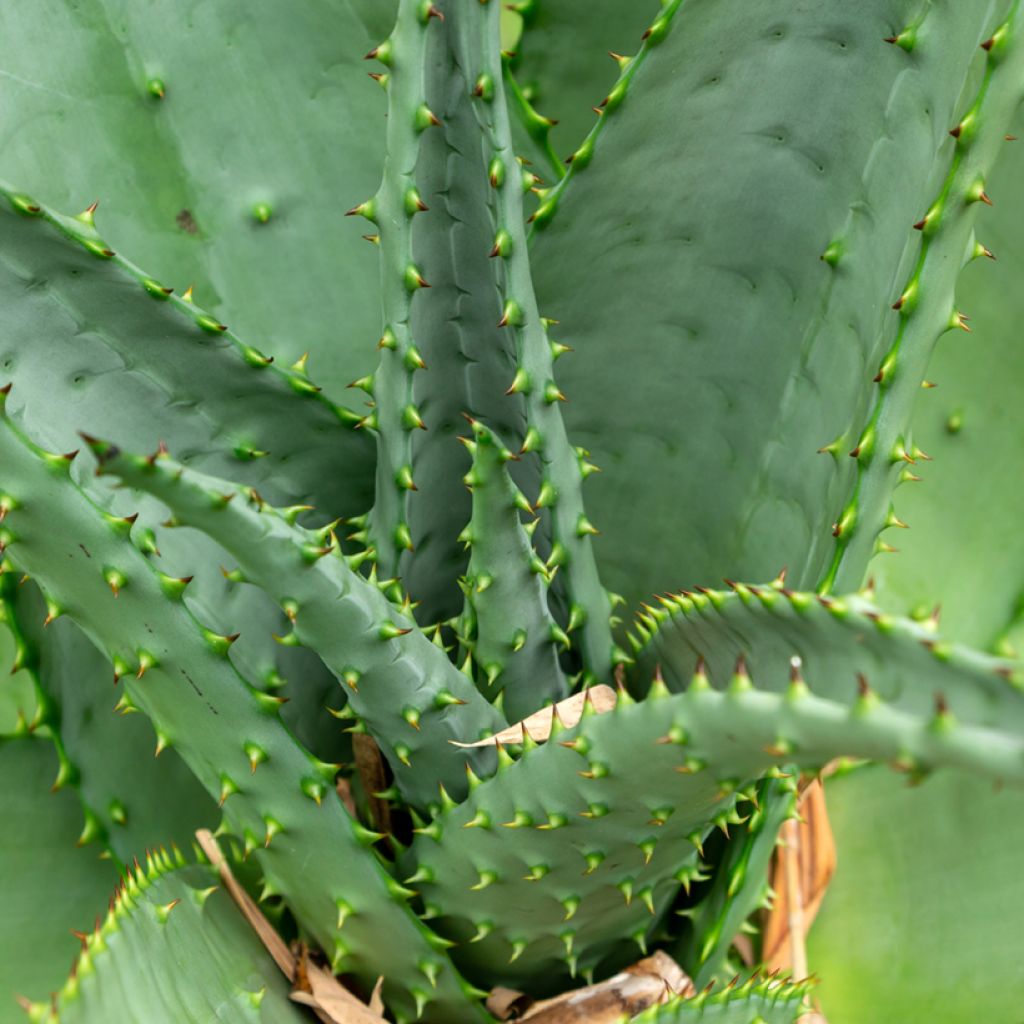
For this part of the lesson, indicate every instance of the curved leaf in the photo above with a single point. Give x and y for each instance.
(172, 946)
(185, 122)
(843, 644)
(683, 258)
(925, 897)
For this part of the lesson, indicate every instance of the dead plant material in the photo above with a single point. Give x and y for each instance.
(373, 776)
(538, 725)
(376, 999)
(344, 788)
(649, 982)
(802, 867)
(311, 984)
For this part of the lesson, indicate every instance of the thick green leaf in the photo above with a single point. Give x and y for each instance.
(173, 946)
(506, 621)
(406, 691)
(130, 801)
(271, 109)
(965, 549)
(926, 893)
(740, 886)
(598, 855)
(603, 836)
(716, 349)
(92, 342)
(47, 884)
(446, 355)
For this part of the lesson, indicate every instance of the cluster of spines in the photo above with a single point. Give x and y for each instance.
(127, 899)
(883, 452)
(82, 231)
(628, 68)
(563, 467)
(507, 624)
(394, 414)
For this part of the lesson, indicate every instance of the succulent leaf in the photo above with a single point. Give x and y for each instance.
(203, 166)
(91, 718)
(965, 553)
(448, 357)
(507, 623)
(242, 398)
(172, 943)
(925, 306)
(754, 1001)
(567, 813)
(563, 467)
(201, 705)
(740, 883)
(699, 748)
(770, 181)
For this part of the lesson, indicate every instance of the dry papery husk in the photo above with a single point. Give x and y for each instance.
(647, 983)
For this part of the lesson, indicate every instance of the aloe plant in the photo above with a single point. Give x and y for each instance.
(726, 301)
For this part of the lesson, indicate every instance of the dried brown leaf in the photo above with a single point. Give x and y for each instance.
(646, 983)
(344, 788)
(507, 1003)
(802, 868)
(331, 1000)
(538, 725)
(373, 776)
(376, 1000)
